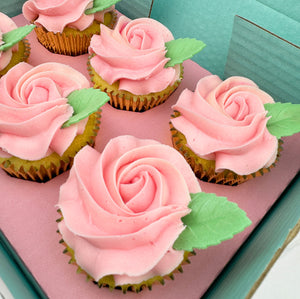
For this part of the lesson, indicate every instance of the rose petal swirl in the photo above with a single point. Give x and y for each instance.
(226, 121)
(134, 54)
(33, 107)
(55, 15)
(124, 212)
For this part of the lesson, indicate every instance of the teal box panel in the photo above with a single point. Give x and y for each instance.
(212, 21)
(291, 8)
(11, 7)
(15, 275)
(135, 8)
(207, 20)
(269, 60)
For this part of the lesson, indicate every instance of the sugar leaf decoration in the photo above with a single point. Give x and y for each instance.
(14, 36)
(85, 102)
(212, 220)
(179, 50)
(99, 5)
(284, 120)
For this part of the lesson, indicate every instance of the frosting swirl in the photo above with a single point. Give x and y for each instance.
(226, 121)
(6, 25)
(133, 53)
(55, 15)
(33, 108)
(124, 212)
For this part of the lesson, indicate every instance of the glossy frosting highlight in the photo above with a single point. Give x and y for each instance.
(226, 121)
(55, 15)
(134, 55)
(6, 25)
(33, 108)
(122, 209)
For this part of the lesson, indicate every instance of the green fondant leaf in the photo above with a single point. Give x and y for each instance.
(285, 119)
(13, 37)
(99, 5)
(212, 220)
(181, 49)
(85, 102)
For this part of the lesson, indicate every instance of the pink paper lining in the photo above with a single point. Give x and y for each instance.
(28, 210)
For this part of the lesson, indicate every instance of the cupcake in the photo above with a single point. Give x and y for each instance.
(223, 130)
(131, 214)
(13, 47)
(66, 27)
(133, 63)
(43, 123)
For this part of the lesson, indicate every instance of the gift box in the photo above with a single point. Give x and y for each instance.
(223, 31)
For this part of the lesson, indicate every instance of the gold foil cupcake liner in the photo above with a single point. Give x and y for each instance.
(108, 281)
(21, 55)
(71, 42)
(41, 174)
(125, 100)
(205, 169)
(51, 166)
(60, 43)
(110, 19)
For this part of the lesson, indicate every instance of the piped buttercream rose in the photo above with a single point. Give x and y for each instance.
(34, 106)
(55, 15)
(130, 214)
(124, 212)
(226, 121)
(134, 55)
(6, 25)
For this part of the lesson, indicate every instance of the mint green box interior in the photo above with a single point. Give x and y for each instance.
(269, 60)
(262, 44)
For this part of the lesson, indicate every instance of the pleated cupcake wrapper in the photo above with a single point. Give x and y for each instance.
(44, 173)
(108, 281)
(38, 175)
(59, 43)
(22, 54)
(208, 174)
(26, 49)
(124, 100)
(68, 44)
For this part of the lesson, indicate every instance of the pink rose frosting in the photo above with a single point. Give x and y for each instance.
(33, 108)
(6, 25)
(226, 121)
(55, 15)
(134, 54)
(122, 209)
